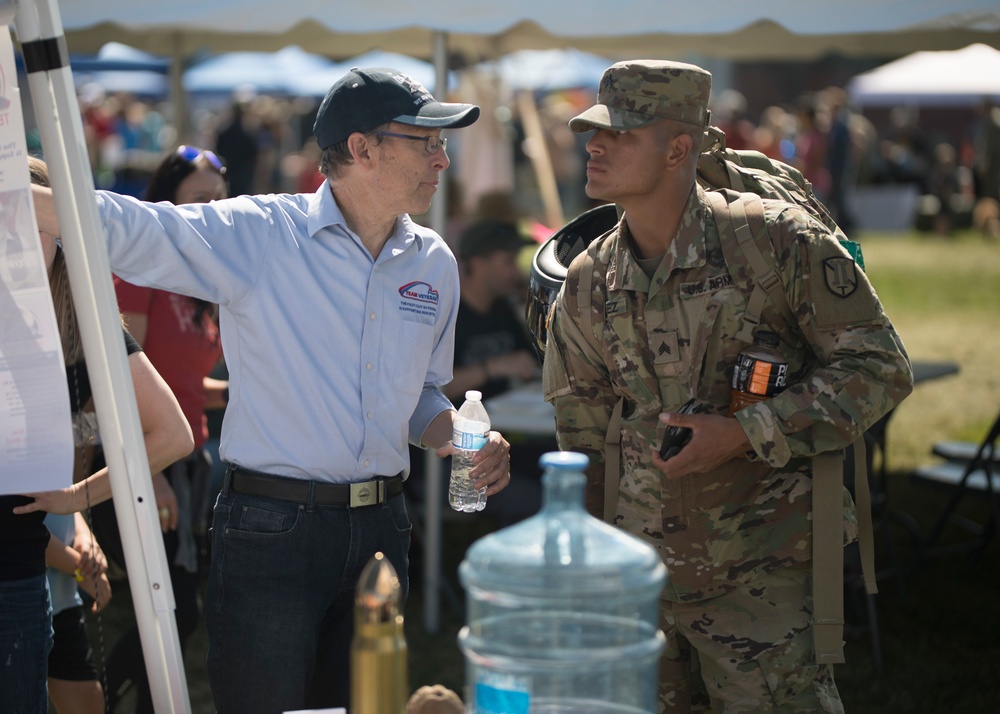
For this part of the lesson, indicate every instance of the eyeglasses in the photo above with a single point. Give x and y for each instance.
(431, 143)
(192, 153)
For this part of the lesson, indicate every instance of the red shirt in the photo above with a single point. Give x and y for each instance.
(182, 352)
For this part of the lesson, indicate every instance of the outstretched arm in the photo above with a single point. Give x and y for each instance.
(165, 431)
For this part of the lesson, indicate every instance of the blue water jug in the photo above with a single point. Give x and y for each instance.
(562, 610)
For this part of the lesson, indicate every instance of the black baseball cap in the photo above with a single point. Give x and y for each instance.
(487, 237)
(366, 98)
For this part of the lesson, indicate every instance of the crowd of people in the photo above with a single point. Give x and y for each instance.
(349, 332)
(267, 147)
(839, 149)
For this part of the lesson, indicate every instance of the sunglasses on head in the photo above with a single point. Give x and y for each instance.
(191, 154)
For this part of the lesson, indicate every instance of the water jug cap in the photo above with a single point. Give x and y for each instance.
(473, 395)
(563, 551)
(564, 460)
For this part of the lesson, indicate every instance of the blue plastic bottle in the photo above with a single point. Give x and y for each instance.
(562, 610)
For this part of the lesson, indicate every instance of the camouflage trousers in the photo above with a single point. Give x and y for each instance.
(750, 650)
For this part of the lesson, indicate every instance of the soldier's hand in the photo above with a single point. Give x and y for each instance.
(714, 440)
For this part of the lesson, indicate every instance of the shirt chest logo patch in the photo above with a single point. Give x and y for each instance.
(419, 301)
(707, 286)
(840, 275)
(420, 291)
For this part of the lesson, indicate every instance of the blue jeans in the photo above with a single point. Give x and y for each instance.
(280, 600)
(25, 641)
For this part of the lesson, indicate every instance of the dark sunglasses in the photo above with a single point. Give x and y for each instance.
(191, 154)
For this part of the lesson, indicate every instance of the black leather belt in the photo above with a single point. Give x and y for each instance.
(366, 493)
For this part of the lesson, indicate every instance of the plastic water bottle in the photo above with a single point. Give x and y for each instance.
(562, 610)
(469, 435)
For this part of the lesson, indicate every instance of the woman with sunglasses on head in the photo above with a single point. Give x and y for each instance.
(180, 336)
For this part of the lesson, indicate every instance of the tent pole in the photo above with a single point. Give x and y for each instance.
(433, 466)
(178, 100)
(541, 160)
(39, 29)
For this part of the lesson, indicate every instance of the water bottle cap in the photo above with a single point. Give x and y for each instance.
(473, 395)
(765, 337)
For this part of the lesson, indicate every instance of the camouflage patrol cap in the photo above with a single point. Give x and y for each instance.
(636, 93)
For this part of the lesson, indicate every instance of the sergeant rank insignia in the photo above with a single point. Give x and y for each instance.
(841, 276)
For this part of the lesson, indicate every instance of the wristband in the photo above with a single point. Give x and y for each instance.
(77, 575)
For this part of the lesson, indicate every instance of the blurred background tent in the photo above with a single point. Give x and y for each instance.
(451, 32)
(291, 71)
(281, 73)
(721, 28)
(120, 68)
(549, 70)
(420, 70)
(962, 77)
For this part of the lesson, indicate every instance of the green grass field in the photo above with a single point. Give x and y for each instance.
(943, 295)
(939, 637)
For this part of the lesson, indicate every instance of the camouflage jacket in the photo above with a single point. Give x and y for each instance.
(664, 339)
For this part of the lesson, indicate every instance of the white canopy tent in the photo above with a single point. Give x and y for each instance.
(732, 29)
(291, 72)
(947, 78)
(284, 72)
(549, 70)
(120, 68)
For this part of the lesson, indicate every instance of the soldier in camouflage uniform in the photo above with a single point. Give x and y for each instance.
(731, 513)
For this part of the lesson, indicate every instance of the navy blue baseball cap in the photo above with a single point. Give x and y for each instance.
(366, 98)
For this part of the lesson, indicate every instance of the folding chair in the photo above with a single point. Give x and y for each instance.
(980, 473)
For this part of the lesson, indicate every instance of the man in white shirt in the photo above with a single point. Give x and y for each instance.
(337, 315)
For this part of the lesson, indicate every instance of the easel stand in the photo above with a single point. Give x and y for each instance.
(39, 29)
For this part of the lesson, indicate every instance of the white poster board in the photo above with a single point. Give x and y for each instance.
(36, 440)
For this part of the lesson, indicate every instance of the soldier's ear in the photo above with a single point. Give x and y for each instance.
(679, 148)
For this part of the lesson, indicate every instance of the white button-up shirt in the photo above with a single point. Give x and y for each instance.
(335, 358)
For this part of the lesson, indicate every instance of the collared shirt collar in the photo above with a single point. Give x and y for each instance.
(325, 213)
(686, 250)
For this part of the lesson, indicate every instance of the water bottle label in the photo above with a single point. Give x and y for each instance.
(759, 376)
(493, 700)
(468, 441)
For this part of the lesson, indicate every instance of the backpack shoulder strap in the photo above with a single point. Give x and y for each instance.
(582, 270)
(828, 547)
(742, 215)
(828, 558)
(581, 273)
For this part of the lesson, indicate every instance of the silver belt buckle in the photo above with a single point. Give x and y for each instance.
(368, 493)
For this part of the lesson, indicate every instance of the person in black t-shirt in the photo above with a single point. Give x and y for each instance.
(493, 351)
(492, 346)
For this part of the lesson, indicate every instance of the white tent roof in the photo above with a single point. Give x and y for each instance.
(958, 77)
(653, 28)
(269, 72)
